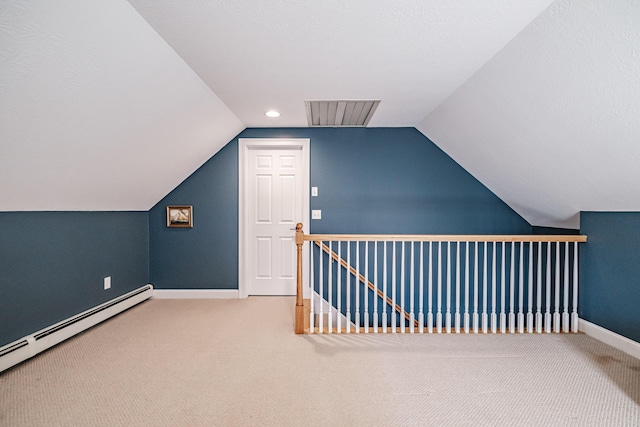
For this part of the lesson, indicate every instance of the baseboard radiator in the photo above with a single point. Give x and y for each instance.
(27, 347)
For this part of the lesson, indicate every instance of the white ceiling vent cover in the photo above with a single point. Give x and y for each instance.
(340, 113)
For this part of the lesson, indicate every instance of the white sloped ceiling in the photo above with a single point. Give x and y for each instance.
(411, 54)
(551, 123)
(97, 112)
(110, 105)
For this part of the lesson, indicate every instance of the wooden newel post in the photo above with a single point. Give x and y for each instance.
(299, 297)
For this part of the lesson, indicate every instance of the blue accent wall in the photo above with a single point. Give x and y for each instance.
(610, 271)
(549, 231)
(378, 180)
(205, 256)
(52, 264)
(395, 180)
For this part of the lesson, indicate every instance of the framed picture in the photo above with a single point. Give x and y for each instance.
(180, 216)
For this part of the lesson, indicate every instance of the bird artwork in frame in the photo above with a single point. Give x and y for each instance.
(180, 216)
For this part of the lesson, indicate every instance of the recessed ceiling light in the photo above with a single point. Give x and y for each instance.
(272, 114)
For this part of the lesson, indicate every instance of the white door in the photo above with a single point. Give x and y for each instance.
(274, 189)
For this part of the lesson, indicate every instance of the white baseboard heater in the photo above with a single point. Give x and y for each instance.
(24, 348)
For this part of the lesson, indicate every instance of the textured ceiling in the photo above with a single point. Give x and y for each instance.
(550, 124)
(110, 105)
(97, 112)
(411, 54)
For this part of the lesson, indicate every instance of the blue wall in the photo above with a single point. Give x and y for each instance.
(395, 180)
(205, 256)
(610, 271)
(380, 180)
(547, 231)
(52, 264)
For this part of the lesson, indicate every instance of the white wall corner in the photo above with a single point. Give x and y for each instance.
(611, 338)
(195, 294)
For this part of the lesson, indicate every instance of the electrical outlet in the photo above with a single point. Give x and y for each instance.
(107, 283)
(316, 214)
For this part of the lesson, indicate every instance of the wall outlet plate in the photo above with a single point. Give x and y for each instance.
(316, 214)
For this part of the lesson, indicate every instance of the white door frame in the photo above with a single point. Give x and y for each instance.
(244, 145)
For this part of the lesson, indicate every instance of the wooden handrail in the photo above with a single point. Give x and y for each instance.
(443, 238)
(363, 279)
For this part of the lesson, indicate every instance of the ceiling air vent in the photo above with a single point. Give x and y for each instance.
(340, 113)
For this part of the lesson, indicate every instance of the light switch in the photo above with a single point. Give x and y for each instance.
(316, 214)
(107, 282)
(314, 191)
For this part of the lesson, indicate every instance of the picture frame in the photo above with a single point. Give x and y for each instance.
(179, 216)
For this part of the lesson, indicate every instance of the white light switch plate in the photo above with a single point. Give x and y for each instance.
(107, 282)
(316, 214)
(314, 191)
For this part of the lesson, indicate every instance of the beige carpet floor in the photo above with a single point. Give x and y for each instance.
(238, 363)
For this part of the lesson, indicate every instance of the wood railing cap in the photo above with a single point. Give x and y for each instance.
(444, 238)
(441, 237)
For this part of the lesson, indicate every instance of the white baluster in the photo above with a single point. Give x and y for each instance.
(412, 292)
(547, 313)
(521, 291)
(475, 290)
(494, 318)
(313, 290)
(484, 291)
(430, 292)
(512, 289)
(384, 288)
(466, 288)
(574, 312)
(530, 291)
(503, 315)
(447, 320)
(421, 313)
(439, 302)
(365, 288)
(321, 291)
(403, 301)
(393, 290)
(375, 287)
(539, 291)
(330, 290)
(565, 301)
(348, 310)
(339, 291)
(457, 315)
(556, 313)
(357, 284)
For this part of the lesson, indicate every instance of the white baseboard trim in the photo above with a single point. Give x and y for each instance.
(611, 338)
(195, 294)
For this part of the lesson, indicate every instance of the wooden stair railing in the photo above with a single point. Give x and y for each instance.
(543, 320)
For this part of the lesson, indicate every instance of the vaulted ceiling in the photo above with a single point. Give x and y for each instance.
(109, 105)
